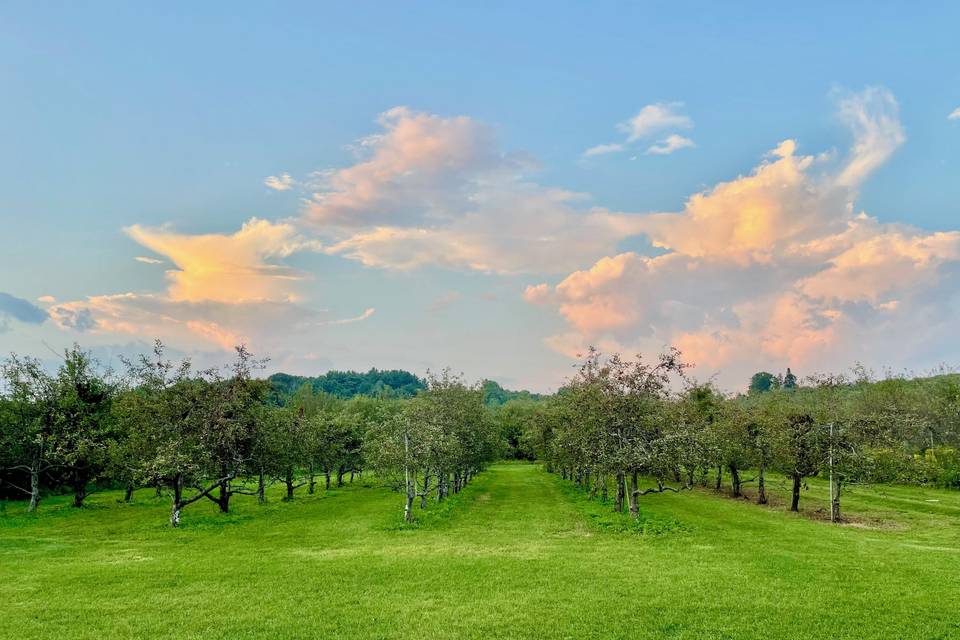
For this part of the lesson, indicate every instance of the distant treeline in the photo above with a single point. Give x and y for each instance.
(392, 383)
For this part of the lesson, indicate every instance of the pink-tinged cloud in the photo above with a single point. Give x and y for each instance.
(772, 269)
(229, 268)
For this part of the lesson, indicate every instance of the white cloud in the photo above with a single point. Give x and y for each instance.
(873, 117)
(602, 149)
(430, 190)
(360, 318)
(954, 115)
(146, 260)
(283, 182)
(671, 143)
(772, 269)
(654, 118)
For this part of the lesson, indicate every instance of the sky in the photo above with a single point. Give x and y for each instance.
(492, 187)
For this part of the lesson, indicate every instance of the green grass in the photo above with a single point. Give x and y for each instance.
(518, 554)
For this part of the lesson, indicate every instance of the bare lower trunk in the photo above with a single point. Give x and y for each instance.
(795, 502)
(632, 495)
(351, 475)
(326, 476)
(835, 503)
(618, 502)
(312, 483)
(34, 490)
(79, 491)
(603, 490)
(261, 487)
(288, 480)
(158, 489)
(761, 488)
(410, 485)
(719, 477)
(426, 488)
(177, 502)
(128, 492)
(223, 499)
(735, 484)
(340, 473)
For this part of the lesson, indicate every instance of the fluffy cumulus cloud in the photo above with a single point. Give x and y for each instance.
(223, 290)
(774, 268)
(432, 190)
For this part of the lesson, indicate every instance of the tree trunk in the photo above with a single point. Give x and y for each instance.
(288, 480)
(761, 488)
(261, 488)
(312, 485)
(603, 491)
(326, 475)
(223, 499)
(159, 488)
(618, 503)
(128, 493)
(177, 502)
(411, 488)
(634, 498)
(719, 477)
(351, 475)
(340, 472)
(79, 490)
(586, 481)
(735, 483)
(835, 503)
(426, 487)
(34, 489)
(795, 503)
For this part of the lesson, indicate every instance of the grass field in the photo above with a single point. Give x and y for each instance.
(518, 554)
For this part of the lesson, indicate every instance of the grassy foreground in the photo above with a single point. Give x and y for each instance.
(518, 554)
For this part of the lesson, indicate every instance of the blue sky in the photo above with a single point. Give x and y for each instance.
(119, 114)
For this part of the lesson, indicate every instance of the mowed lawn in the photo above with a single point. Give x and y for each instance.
(518, 554)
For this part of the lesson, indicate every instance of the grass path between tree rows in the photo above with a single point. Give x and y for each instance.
(519, 554)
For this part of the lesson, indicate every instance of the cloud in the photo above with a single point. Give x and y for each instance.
(225, 289)
(873, 118)
(360, 318)
(654, 118)
(239, 267)
(432, 190)
(146, 260)
(954, 115)
(419, 168)
(601, 149)
(668, 145)
(773, 268)
(283, 182)
(187, 325)
(14, 308)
